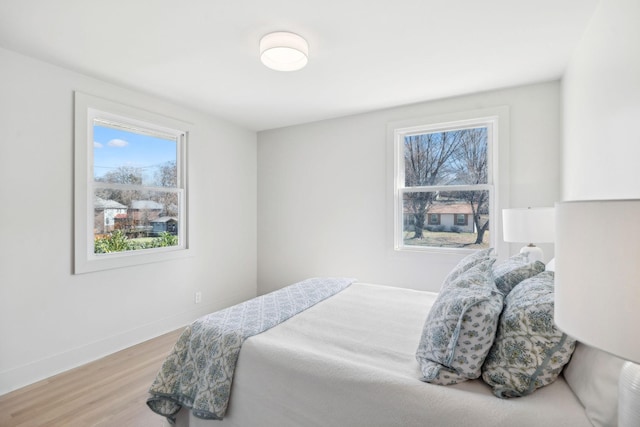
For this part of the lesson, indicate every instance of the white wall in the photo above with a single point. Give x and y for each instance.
(52, 320)
(601, 96)
(323, 194)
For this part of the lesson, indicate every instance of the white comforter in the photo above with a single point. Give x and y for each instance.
(350, 361)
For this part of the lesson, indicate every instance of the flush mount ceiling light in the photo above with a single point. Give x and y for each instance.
(284, 51)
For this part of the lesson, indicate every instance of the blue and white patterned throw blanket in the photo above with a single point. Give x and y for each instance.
(199, 371)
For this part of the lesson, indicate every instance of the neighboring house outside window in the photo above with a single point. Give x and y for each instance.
(106, 214)
(165, 224)
(451, 215)
(144, 212)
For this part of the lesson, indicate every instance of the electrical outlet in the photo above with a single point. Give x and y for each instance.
(198, 297)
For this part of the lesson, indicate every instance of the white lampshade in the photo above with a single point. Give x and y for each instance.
(597, 286)
(597, 275)
(284, 51)
(528, 225)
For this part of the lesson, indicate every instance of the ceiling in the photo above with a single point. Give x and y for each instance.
(364, 55)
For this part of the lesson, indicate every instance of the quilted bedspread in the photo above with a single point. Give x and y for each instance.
(199, 370)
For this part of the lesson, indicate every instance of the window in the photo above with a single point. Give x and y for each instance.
(130, 186)
(444, 184)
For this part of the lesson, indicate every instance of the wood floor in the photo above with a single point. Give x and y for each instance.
(109, 392)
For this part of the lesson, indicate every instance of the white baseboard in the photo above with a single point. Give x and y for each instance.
(32, 372)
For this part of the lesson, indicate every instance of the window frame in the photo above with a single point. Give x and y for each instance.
(498, 147)
(87, 109)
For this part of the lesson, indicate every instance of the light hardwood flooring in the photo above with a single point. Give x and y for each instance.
(110, 392)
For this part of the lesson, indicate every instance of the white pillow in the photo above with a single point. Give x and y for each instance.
(551, 265)
(593, 376)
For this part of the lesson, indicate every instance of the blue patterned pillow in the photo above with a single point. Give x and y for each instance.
(514, 270)
(529, 351)
(460, 327)
(466, 263)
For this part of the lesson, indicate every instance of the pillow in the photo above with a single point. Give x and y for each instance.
(466, 263)
(593, 376)
(551, 265)
(460, 327)
(529, 350)
(514, 270)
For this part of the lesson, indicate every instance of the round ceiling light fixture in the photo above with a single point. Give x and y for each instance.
(284, 51)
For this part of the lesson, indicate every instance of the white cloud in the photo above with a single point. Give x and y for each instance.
(117, 143)
(96, 144)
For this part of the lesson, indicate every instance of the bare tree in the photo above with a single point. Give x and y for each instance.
(427, 160)
(121, 175)
(471, 168)
(167, 176)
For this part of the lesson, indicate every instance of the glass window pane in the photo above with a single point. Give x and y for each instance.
(127, 220)
(454, 157)
(129, 156)
(456, 219)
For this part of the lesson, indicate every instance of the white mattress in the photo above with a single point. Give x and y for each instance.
(350, 361)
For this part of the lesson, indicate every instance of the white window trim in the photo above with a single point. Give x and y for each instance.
(85, 260)
(499, 171)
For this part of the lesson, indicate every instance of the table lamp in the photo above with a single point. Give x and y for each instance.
(597, 286)
(529, 225)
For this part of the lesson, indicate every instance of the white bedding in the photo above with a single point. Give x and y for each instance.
(350, 361)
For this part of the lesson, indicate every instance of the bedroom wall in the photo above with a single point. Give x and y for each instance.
(601, 94)
(323, 198)
(52, 320)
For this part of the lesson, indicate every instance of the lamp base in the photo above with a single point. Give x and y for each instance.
(535, 253)
(629, 396)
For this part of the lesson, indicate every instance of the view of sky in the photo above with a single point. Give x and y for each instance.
(113, 148)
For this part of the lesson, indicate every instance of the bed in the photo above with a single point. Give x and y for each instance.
(350, 360)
